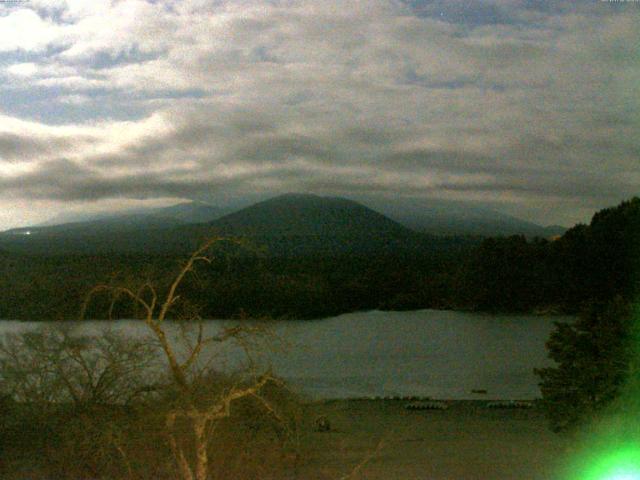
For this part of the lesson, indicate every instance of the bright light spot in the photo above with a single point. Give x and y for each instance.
(624, 476)
(621, 463)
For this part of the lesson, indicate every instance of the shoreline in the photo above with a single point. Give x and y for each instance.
(547, 311)
(450, 401)
(467, 440)
(550, 312)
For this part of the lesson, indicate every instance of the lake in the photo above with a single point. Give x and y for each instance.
(440, 354)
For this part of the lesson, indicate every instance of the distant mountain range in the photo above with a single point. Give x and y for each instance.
(439, 217)
(435, 217)
(179, 214)
(290, 222)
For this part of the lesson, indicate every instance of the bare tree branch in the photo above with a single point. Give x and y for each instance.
(202, 418)
(364, 461)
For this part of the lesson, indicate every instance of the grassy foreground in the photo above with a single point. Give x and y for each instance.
(367, 439)
(381, 439)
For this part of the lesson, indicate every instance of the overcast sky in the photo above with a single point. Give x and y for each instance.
(529, 106)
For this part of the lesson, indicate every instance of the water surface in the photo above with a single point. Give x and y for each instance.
(441, 354)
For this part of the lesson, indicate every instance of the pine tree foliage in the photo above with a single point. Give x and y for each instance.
(593, 359)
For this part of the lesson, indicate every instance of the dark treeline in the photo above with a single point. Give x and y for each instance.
(588, 263)
(257, 285)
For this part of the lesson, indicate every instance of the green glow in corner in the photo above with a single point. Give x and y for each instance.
(620, 464)
(608, 448)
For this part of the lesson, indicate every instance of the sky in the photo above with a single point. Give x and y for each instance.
(531, 107)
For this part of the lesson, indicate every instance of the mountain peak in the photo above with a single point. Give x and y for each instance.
(309, 197)
(302, 214)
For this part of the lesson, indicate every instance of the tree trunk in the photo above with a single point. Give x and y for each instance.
(181, 462)
(202, 460)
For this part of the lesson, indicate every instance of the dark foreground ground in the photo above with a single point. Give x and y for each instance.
(381, 439)
(373, 440)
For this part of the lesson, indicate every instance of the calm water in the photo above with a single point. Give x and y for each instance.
(442, 354)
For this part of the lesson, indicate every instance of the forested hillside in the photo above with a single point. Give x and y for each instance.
(315, 274)
(594, 262)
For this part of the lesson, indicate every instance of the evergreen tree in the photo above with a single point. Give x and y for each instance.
(593, 357)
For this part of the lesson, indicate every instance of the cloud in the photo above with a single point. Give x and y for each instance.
(26, 69)
(512, 102)
(24, 29)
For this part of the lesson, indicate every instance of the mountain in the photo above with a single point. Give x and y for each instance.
(297, 214)
(115, 224)
(287, 224)
(190, 212)
(285, 216)
(177, 228)
(181, 213)
(440, 217)
(297, 223)
(124, 234)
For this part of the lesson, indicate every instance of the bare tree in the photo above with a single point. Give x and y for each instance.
(66, 396)
(56, 365)
(193, 405)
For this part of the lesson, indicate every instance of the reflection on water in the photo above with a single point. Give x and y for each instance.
(441, 354)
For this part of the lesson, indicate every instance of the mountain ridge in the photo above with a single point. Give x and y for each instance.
(307, 214)
(183, 212)
(301, 222)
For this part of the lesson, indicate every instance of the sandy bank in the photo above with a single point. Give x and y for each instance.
(465, 441)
